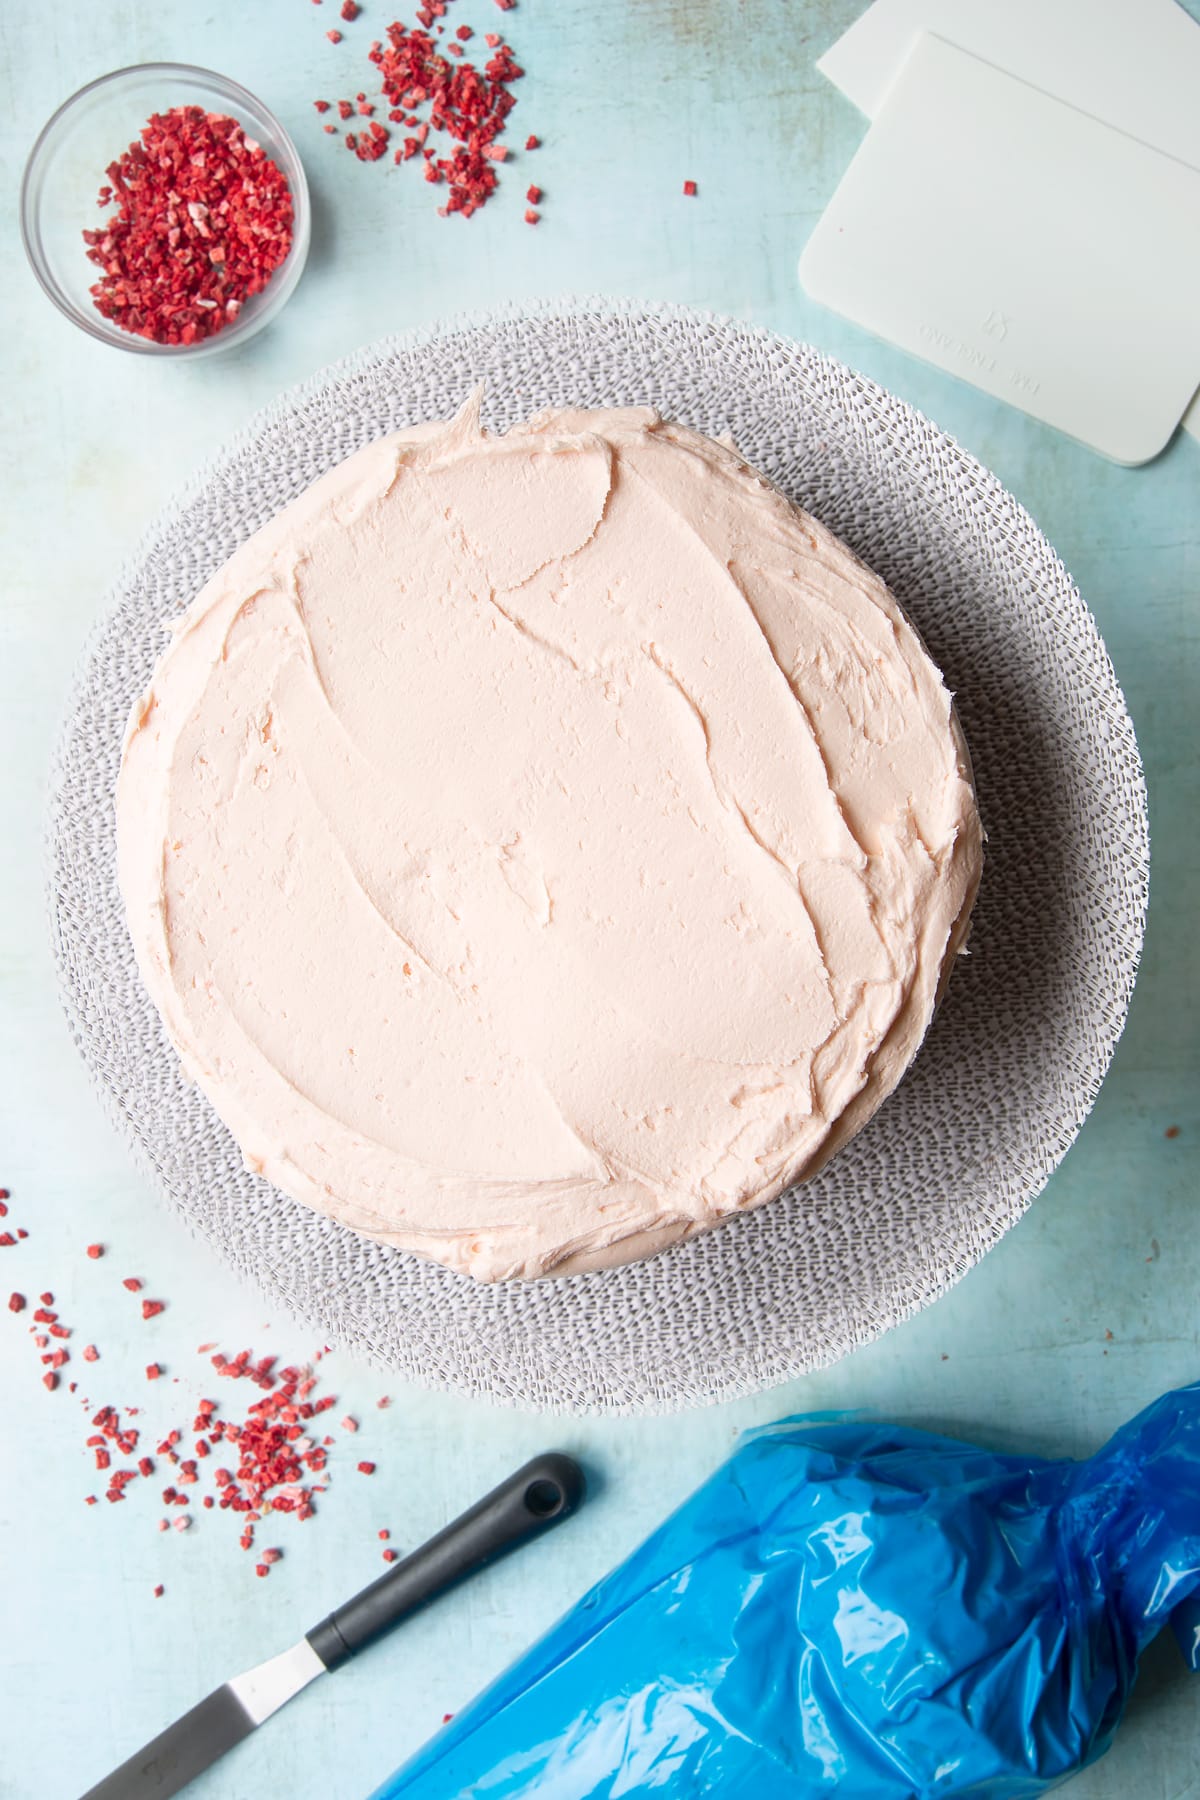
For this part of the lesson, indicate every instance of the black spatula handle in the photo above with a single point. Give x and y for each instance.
(528, 1503)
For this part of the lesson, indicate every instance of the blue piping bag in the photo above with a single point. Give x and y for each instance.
(855, 1608)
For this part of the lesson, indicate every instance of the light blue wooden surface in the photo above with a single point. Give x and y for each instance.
(631, 97)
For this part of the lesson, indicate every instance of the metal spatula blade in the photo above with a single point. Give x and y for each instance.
(546, 1490)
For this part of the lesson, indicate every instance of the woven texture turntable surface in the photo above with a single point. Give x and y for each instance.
(1016, 1054)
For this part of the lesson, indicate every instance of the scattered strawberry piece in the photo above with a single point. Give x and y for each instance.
(350, 10)
(90, 1353)
(335, 37)
(349, 1424)
(182, 1523)
(47, 1299)
(532, 216)
(384, 1535)
(389, 1556)
(7, 1240)
(366, 1468)
(532, 143)
(533, 195)
(95, 1250)
(16, 1303)
(132, 1283)
(159, 1591)
(50, 1380)
(152, 1308)
(153, 1371)
(261, 1569)
(689, 188)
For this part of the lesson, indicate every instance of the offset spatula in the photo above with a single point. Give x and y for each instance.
(528, 1503)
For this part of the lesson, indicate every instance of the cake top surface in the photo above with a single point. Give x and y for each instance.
(541, 847)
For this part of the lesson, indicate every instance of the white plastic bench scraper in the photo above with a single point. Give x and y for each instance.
(1016, 241)
(1134, 64)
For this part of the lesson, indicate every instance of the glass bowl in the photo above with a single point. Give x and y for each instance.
(65, 172)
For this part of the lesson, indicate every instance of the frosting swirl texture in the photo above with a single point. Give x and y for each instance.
(542, 847)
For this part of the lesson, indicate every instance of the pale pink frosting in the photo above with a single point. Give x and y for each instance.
(542, 847)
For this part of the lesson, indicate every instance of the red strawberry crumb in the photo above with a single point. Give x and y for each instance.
(322, 106)
(335, 37)
(493, 40)
(384, 1535)
(50, 1380)
(389, 1556)
(272, 1556)
(90, 1353)
(366, 1468)
(95, 1250)
(132, 1283)
(90, 1500)
(331, 129)
(203, 219)
(350, 10)
(533, 195)
(152, 1308)
(203, 1349)
(532, 143)
(159, 1591)
(349, 1424)
(145, 1465)
(47, 1299)
(689, 188)
(153, 1371)
(464, 33)
(182, 1523)
(16, 1303)
(7, 1240)
(506, 5)
(21, 1232)
(384, 1401)
(261, 1569)
(532, 216)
